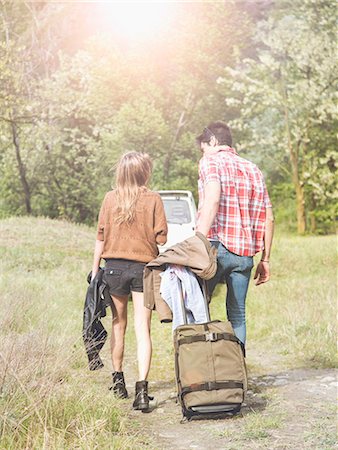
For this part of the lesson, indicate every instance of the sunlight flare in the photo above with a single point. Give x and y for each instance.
(137, 20)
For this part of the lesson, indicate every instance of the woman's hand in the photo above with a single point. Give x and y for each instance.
(94, 273)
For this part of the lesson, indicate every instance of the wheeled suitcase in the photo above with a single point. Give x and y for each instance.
(210, 367)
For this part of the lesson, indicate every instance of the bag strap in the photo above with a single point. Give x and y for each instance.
(212, 386)
(209, 336)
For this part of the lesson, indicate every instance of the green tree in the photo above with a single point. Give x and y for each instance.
(286, 99)
(70, 107)
(25, 58)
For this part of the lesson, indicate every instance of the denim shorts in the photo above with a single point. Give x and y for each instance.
(123, 276)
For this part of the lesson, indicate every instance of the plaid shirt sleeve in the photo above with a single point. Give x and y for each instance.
(209, 170)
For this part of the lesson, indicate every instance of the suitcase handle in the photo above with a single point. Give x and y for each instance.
(204, 292)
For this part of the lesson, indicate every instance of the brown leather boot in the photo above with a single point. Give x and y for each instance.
(119, 385)
(141, 401)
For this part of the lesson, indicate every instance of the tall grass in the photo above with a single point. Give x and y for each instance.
(294, 314)
(49, 399)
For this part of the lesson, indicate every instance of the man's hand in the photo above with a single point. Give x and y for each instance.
(262, 274)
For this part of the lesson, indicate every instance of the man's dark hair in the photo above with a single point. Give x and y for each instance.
(220, 130)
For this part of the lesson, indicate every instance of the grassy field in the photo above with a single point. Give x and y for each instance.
(295, 313)
(49, 399)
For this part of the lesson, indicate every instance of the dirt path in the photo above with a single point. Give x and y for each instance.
(284, 409)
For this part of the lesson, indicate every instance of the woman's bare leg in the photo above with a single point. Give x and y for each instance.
(118, 331)
(142, 322)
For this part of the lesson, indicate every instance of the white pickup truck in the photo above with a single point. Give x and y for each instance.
(180, 210)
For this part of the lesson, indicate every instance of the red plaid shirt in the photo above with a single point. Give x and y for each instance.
(240, 221)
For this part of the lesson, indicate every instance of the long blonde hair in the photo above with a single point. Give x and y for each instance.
(133, 171)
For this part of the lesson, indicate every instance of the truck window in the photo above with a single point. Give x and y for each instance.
(176, 210)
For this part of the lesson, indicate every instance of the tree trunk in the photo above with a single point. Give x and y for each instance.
(313, 222)
(298, 184)
(301, 215)
(180, 126)
(299, 188)
(22, 170)
(312, 214)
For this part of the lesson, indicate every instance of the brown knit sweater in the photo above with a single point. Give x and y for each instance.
(137, 241)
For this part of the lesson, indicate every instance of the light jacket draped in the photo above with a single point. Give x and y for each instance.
(195, 252)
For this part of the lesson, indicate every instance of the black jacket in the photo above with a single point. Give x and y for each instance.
(93, 332)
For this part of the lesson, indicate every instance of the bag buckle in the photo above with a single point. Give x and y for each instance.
(210, 386)
(211, 336)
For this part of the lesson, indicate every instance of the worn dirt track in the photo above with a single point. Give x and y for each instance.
(284, 409)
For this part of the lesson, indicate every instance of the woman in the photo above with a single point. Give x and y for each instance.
(131, 224)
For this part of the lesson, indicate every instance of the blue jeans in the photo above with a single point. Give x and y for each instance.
(235, 271)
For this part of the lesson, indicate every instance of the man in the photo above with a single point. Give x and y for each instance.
(235, 213)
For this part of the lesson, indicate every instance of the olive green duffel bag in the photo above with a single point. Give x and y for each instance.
(210, 368)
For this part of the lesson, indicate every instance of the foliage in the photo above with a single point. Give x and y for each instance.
(286, 103)
(75, 97)
(80, 110)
